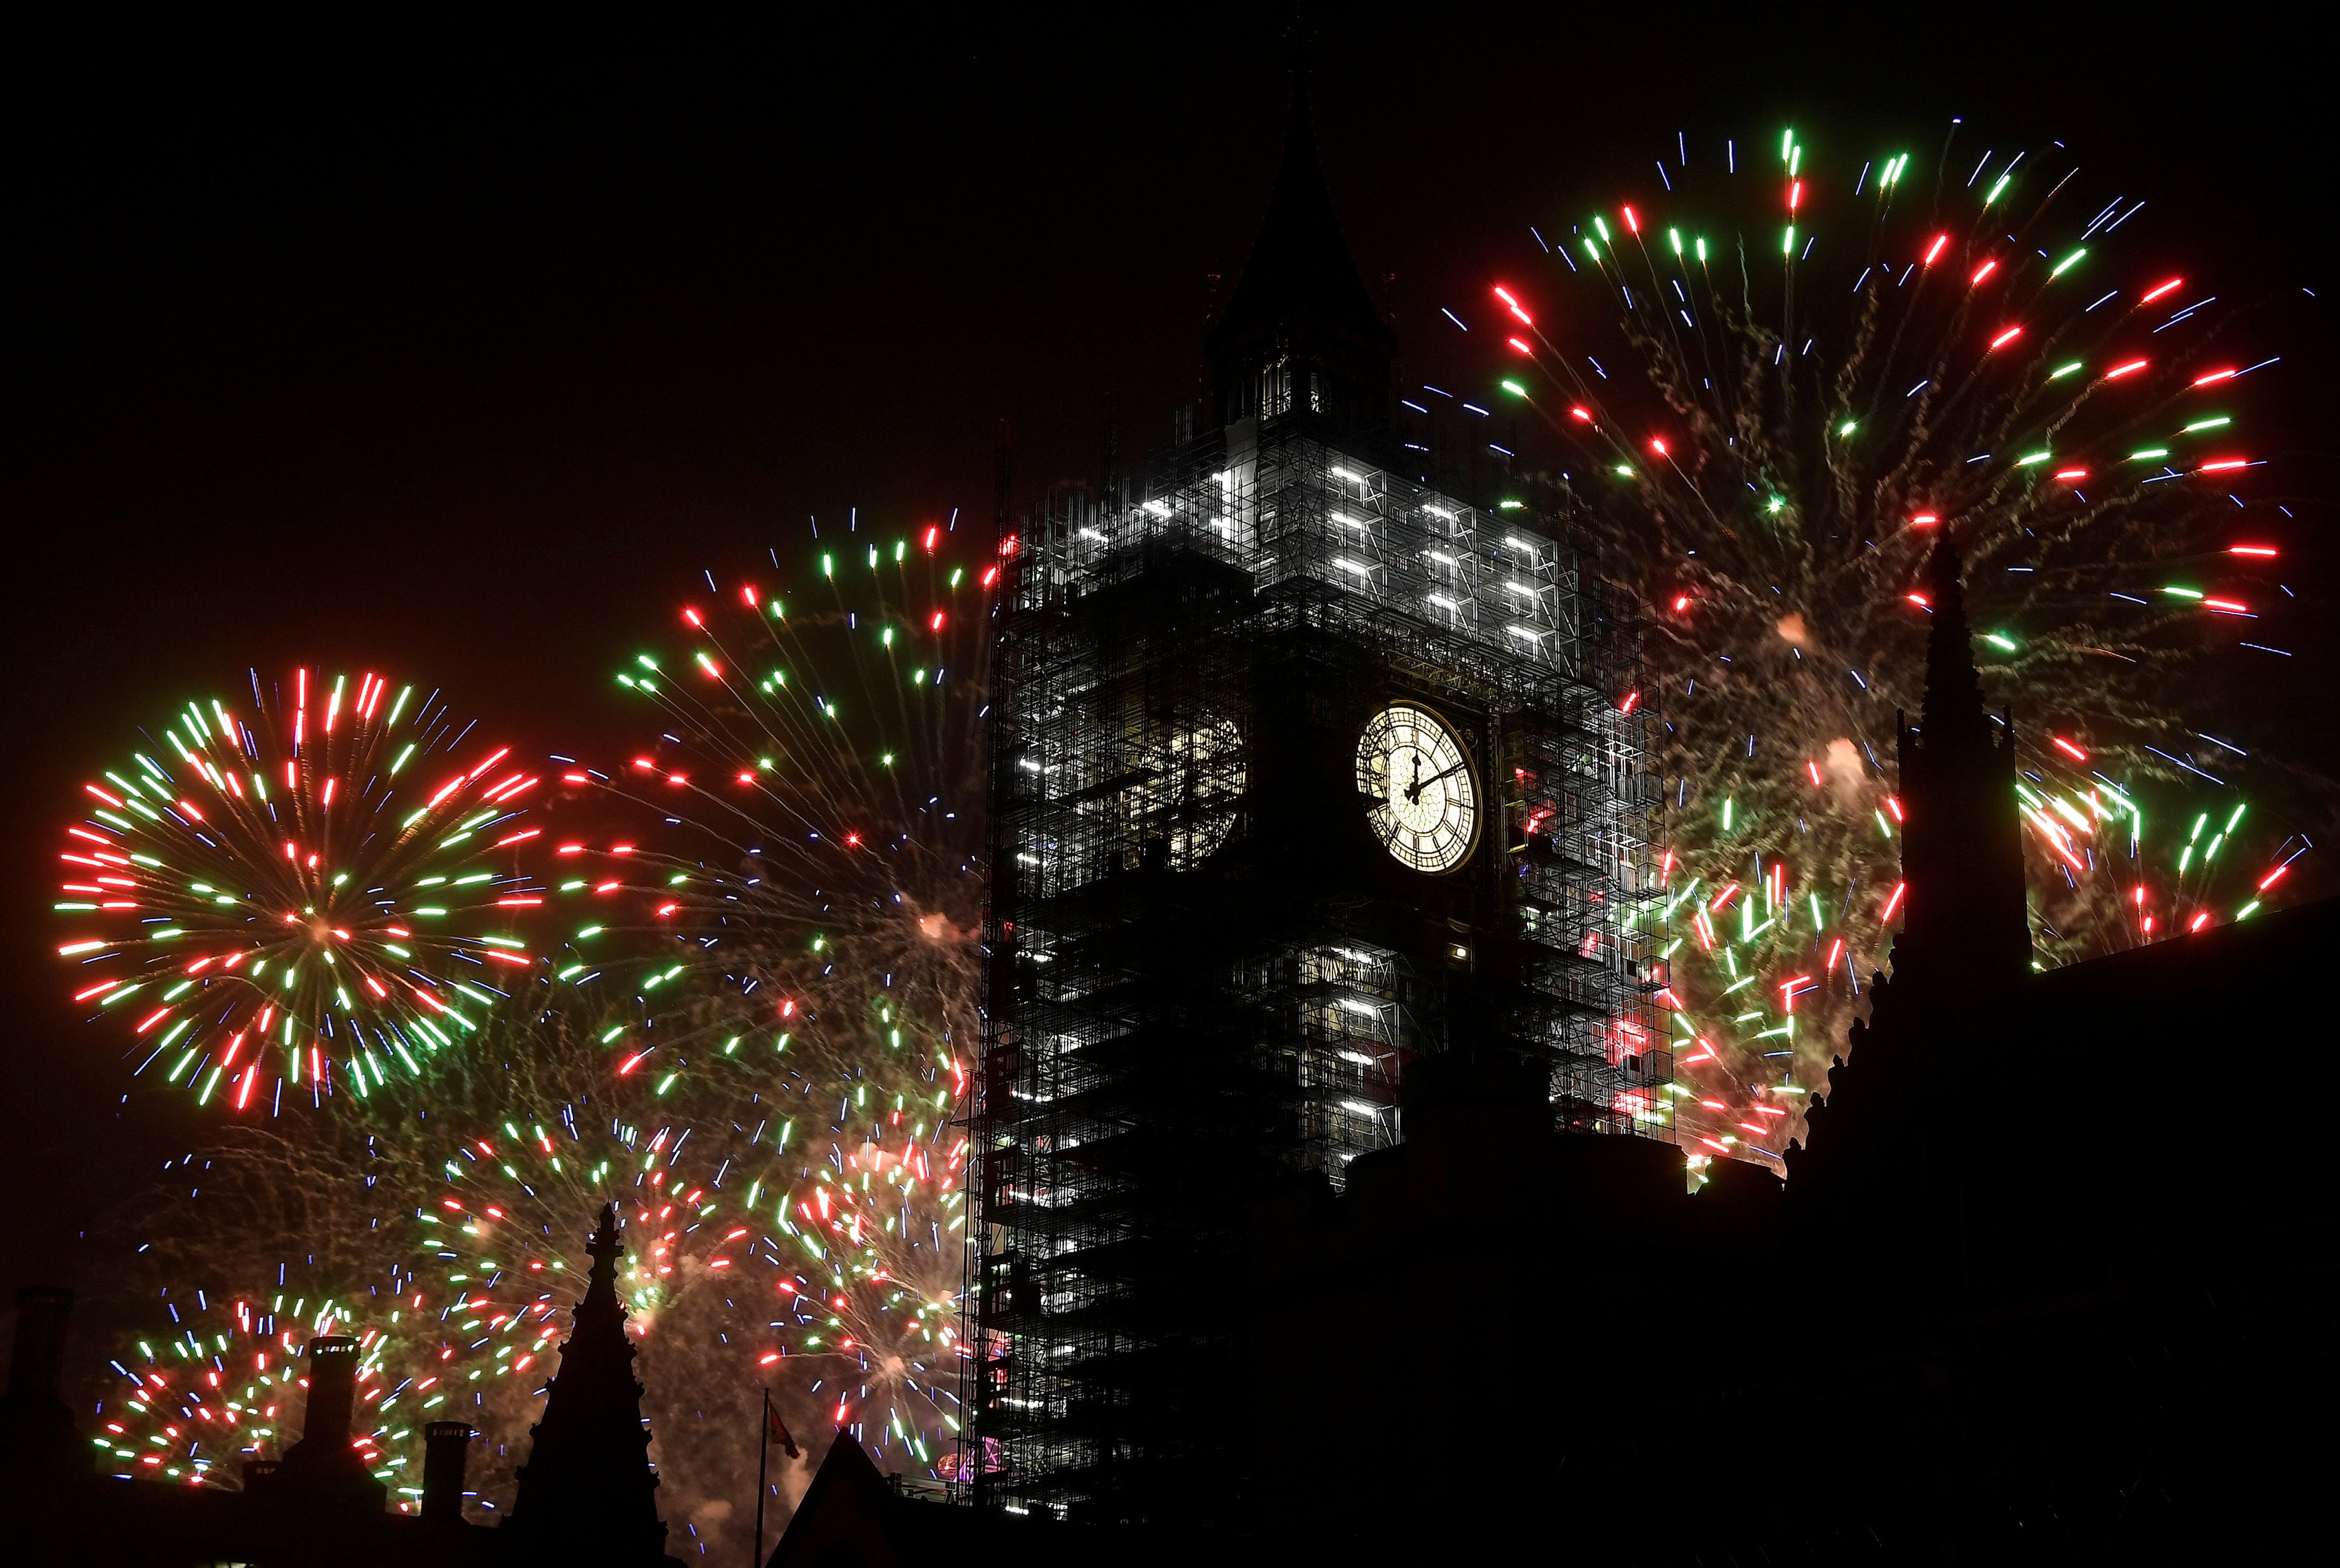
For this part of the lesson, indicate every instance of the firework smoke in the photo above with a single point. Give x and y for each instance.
(1790, 384)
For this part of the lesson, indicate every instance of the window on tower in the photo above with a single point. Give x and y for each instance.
(1275, 390)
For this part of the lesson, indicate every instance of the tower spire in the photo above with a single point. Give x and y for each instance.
(1967, 917)
(1953, 715)
(1301, 331)
(587, 1493)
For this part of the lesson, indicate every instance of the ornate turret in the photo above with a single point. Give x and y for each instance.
(1962, 848)
(587, 1493)
(1302, 333)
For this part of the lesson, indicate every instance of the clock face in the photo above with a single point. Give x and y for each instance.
(1420, 799)
(1187, 800)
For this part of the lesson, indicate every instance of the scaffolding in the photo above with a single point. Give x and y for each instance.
(1197, 983)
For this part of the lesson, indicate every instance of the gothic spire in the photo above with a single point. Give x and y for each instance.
(1301, 268)
(600, 1303)
(587, 1493)
(1953, 715)
(1302, 331)
(1965, 919)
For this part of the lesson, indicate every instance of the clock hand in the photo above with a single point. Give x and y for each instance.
(1421, 783)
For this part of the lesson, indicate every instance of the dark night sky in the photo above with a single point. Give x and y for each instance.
(455, 352)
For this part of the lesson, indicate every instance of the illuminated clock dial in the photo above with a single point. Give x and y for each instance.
(1419, 797)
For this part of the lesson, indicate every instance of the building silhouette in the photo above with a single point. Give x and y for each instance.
(316, 1508)
(38, 1441)
(1957, 769)
(588, 1492)
(322, 1468)
(2030, 1290)
(587, 1497)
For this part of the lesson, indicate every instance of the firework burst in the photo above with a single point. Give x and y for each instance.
(325, 882)
(751, 1043)
(728, 1226)
(797, 891)
(770, 1243)
(1780, 386)
(208, 1377)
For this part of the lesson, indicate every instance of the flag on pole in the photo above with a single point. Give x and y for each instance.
(776, 1431)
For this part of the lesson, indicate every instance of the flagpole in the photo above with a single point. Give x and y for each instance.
(763, 1448)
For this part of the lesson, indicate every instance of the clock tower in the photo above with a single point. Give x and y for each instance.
(1303, 766)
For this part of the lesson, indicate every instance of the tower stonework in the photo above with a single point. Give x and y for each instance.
(1304, 767)
(588, 1493)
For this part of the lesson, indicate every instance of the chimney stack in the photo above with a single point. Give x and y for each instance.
(38, 1439)
(39, 1354)
(322, 1468)
(332, 1384)
(446, 1450)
